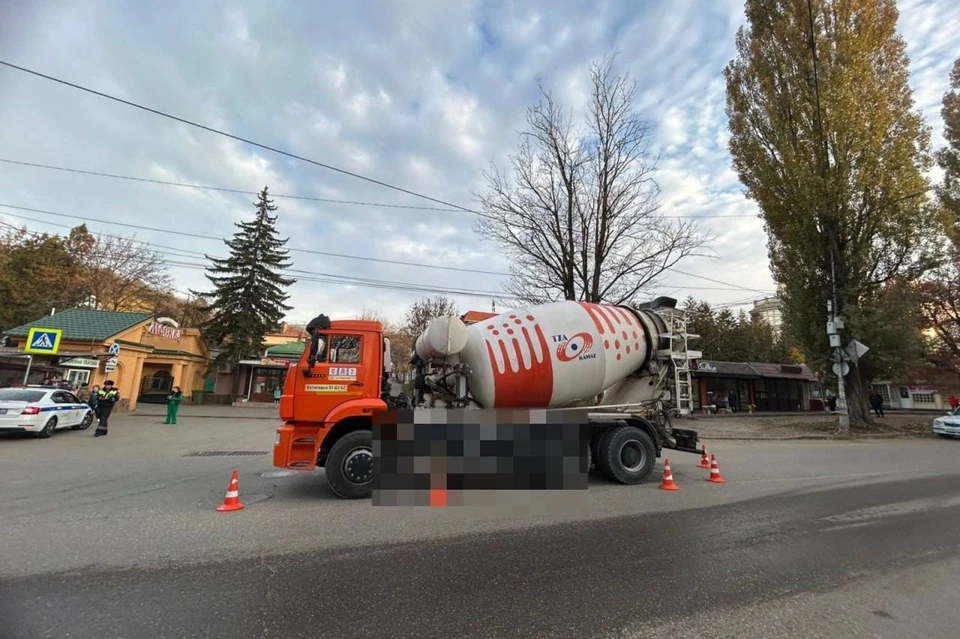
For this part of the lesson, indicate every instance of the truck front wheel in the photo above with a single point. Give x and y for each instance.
(349, 466)
(626, 454)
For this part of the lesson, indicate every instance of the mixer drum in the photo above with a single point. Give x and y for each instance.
(554, 355)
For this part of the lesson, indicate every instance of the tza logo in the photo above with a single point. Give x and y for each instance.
(576, 347)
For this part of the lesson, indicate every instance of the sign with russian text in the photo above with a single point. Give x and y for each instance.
(81, 362)
(326, 388)
(162, 329)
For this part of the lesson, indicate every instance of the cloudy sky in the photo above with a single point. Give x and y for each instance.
(421, 94)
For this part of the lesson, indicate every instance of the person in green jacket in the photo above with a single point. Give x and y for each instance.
(173, 405)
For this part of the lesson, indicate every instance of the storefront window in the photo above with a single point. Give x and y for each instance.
(265, 382)
(77, 376)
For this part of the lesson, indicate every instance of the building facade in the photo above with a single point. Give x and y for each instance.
(784, 388)
(770, 310)
(145, 356)
(920, 388)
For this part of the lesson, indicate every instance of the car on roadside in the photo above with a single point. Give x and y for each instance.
(41, 410)
(948, 425)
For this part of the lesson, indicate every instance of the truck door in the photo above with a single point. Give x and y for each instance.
(340, 372)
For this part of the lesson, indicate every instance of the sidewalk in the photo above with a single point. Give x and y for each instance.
(213, 411)
(804, 426)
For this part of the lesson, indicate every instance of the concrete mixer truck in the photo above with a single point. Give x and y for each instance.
(614, 365)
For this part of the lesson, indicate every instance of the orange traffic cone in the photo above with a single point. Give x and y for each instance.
(232, 500)
(668, 483)
(704, 460)
(715, 475)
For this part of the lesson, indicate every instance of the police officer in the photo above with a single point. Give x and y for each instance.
(106, 398)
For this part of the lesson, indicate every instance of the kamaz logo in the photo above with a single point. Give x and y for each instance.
(576, 347)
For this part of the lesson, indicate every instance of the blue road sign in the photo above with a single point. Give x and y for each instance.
(43, 341)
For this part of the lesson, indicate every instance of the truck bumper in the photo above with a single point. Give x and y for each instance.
(686, 440)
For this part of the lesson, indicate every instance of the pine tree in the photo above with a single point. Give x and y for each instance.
(249, 296)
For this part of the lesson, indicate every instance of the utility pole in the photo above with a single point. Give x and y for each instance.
(840, 367)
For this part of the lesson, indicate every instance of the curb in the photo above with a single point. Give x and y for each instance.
(747, 438)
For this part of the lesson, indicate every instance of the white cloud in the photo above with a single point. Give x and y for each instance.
(420, 93)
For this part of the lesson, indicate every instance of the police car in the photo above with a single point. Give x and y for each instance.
(948, 425)
(42, 410)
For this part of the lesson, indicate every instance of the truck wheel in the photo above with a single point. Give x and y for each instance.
(626, 454)
(349, 466)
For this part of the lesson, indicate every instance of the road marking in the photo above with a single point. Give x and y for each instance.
(848, 476)
(865, 516)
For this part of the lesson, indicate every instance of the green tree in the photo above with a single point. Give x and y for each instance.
(941, 292)
(249, 295)
(38, 273)
(949, 157)
(729, 337)
(825, 138)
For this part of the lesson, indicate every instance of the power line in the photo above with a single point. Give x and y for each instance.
(220, 239)
(295, 197)
(274, 150)
(173, 251)
(235, 137)
(222, 189)
(325, 278)
(339, 255)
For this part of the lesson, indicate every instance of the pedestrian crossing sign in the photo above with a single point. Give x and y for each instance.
(43, 341)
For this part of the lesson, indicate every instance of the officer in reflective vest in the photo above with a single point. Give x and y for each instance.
(106, 398)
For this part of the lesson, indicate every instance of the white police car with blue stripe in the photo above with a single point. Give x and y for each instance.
(42, 410)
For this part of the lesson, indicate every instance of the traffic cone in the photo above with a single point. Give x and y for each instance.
(668, 483)
(715, 475)
(232, 500)
(704, 460)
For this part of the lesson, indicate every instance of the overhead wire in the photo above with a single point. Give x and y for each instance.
(223, 189)
(293, 197)
(238, 138)
(274, 150)
(173, 251)
(325, 253)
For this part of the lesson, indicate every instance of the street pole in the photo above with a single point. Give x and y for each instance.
(842, 409)
(26, 375)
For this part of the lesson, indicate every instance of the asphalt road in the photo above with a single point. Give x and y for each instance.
(117, 537)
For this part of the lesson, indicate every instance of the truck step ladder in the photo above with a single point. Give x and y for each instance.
(680, 356)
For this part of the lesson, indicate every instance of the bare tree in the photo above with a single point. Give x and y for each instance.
(579, 215)
(426, 309)
(120, 274)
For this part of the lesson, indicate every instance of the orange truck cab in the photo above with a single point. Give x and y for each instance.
(328, 401)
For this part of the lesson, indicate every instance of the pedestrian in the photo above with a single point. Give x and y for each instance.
(954, 402)
(94, 397)
(83, 393)
(876, 402)
(832, 403)
(732, 402)
(276, 395)
(107, 397)
(173, 404)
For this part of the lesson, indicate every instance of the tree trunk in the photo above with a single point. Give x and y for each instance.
(856, 388)
(236, 381)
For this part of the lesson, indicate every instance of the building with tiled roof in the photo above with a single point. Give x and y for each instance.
(154, 354)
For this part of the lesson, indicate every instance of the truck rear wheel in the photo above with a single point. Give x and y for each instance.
(349, 466)
(626, 454)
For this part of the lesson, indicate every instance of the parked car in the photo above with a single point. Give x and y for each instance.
(41, 410)
(948, 425)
